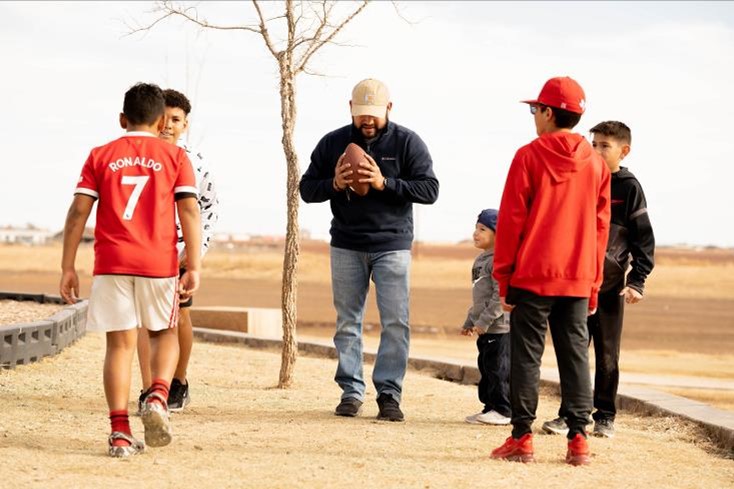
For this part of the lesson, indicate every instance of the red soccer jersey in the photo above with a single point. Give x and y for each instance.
(135, 179)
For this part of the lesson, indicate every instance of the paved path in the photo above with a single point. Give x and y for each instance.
(551, 372)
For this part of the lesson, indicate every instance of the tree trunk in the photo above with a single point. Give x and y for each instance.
(292, 238)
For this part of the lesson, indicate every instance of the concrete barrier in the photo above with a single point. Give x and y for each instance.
(24, 343)
(257, 321)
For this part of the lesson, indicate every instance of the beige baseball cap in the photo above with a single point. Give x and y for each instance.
(370, 97)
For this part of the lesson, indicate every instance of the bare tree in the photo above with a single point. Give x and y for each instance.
(308, 26)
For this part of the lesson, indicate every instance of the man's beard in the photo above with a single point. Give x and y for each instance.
(377, 131)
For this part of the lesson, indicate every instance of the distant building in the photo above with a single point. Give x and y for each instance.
(87, 235)
(30, 235)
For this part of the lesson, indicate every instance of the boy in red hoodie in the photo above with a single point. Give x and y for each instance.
(549, 256)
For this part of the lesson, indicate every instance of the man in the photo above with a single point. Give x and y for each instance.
(177, 112)
(549, 256)
(371, 237)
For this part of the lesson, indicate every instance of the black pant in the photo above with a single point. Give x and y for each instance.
(529, 321)
(605, 328)
(494, 365)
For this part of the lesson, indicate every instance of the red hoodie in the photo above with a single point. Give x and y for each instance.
(554, 219)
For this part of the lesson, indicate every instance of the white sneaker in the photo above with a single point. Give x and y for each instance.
(473, 419)
(492, 417)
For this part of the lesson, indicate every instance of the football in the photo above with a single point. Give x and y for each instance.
(353, 155)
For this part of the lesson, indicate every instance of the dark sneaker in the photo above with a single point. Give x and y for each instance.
(141, 401)
(604, 428)
(349, 407)
(578, 451)
(516, 450)
(557, 426)
(389, 408)
(178, 396)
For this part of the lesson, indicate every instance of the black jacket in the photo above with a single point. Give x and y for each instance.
(631, 240)
(379, 221)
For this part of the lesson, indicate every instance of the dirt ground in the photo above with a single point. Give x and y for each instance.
(239, 431)
(684, 327)
(657, 323)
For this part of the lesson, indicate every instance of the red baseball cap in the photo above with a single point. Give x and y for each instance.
(562, 92)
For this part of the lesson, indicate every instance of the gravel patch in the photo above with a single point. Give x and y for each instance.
(14, 312)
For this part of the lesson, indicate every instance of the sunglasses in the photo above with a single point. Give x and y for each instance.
(535, 108)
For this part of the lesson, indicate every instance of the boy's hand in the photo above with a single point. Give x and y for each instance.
(631, 296)
(69, 286)
(505, 306)
(188, 284)
(467, 331)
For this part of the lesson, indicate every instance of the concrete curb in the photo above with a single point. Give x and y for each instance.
(716, 424)
(24, 343)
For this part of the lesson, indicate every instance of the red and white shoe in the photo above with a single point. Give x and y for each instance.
(516, 450)
(578, 451)
(155, 420)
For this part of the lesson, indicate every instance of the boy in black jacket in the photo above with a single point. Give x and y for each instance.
(631, 242)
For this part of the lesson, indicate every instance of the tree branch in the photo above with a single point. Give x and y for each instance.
(264, 30)
(396, 6)
(170, 9)
(318, 43)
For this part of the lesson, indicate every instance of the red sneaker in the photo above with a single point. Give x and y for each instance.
(578, 451)
(516, 450)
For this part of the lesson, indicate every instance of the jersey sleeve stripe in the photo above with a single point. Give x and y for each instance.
(86, 191)
(186, 190)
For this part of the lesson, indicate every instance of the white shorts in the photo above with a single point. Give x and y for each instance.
(122, 302)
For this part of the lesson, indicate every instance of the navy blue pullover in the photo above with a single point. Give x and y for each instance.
(381, 220)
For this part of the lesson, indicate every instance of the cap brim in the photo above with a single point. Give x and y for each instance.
(531, 102)
(373, 110)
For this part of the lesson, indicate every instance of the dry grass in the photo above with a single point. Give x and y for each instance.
(241, 432)
(674, 276)
(721, 399)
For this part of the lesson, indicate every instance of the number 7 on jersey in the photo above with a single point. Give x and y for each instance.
(139, 183)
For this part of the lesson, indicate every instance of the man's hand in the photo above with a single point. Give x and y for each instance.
(188, 284)
(342, 173)
(372, 173)
(505, 306)
(591, 312)
(69, 286)
(631, 296)
(468, 331)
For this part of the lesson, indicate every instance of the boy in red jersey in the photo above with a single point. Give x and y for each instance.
(140, 181)
(549, 256)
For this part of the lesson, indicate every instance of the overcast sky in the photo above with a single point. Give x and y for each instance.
(456, 75)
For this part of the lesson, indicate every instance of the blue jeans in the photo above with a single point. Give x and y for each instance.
(350, 281)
